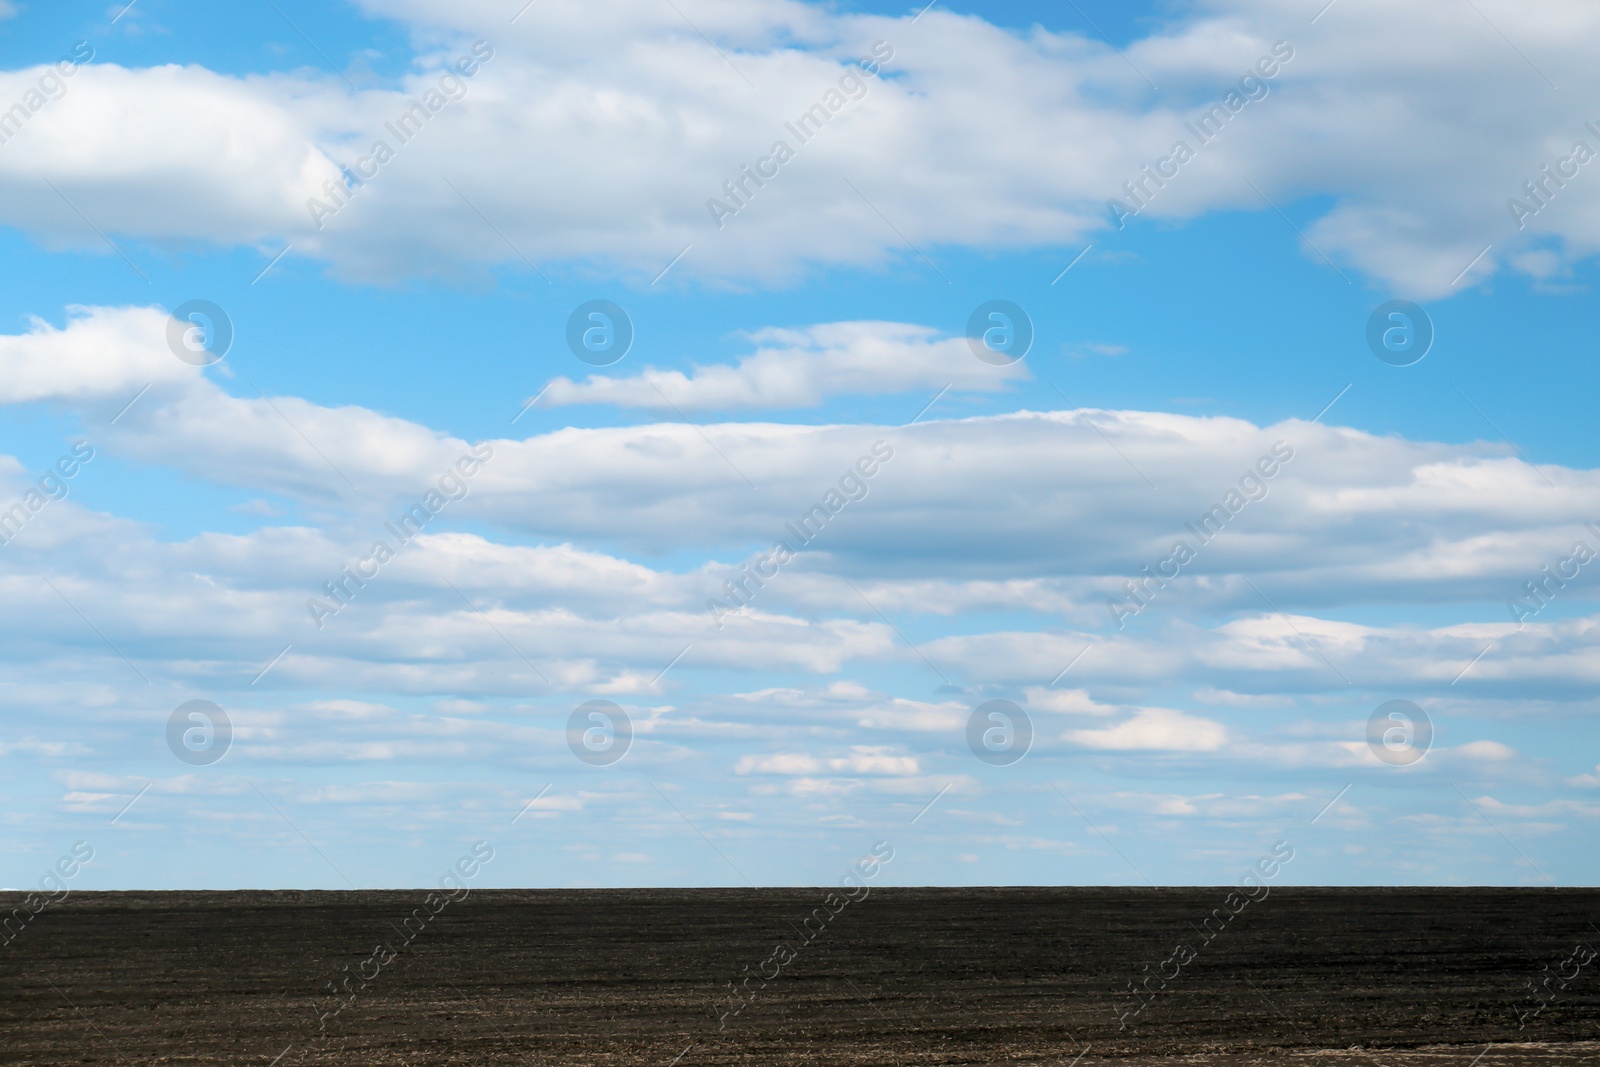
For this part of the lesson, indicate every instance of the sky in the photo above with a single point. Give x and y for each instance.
(687, 443)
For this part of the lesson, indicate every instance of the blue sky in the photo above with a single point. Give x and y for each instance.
(770, 354)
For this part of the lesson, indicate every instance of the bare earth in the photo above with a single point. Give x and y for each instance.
(903, 976)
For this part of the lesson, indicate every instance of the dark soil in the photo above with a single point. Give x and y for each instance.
(903, 976)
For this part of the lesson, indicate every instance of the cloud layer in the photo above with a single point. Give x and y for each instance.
(1417, 130)
(801, 601)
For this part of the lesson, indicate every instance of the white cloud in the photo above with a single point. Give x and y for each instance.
(1067, 701)
(550, 619)
(1586, 780)
(863, 759)
(1491, 751)
(1205, 805)
(778, 763)
(240, 172)
(104, 358)
(1227, 698)
(1418, 147)
(100, 353)
(1352, 518)
(1553, 657)
(796, 368)
(1155, 729)
(1551, 808)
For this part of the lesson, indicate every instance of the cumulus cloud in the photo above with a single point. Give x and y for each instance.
(1347, 516)
(241, 171)
(796, 368)
(115, 367)
(99, 354)
(1264, 653)
(1492, 751)
(605, 138)
(983, 559)
(1155, 729)
(1067, 701)
(863, 759)
(476, 640)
